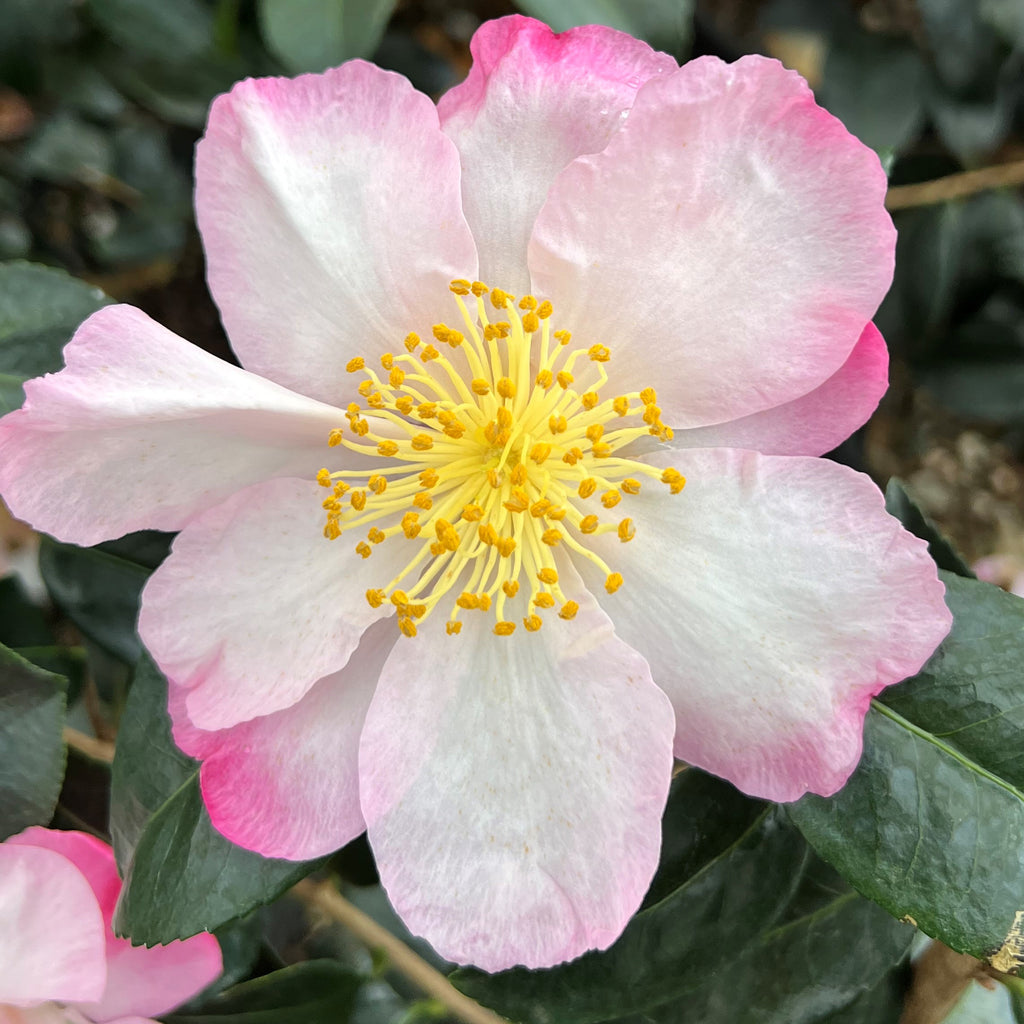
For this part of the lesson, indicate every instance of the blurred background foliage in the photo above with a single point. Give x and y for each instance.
(101, 103)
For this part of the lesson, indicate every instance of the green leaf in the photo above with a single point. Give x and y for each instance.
(40, 307)
(730, 866)
(98, 591)
(181, 876)
(313, 992)
(311, 35)
(665, 24)
(31, 748)
(931, 824)
(899, 503)
(182, 30)
(67, 149)
(11, 393)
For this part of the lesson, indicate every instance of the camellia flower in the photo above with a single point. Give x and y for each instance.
(551, 356)
(60, 962)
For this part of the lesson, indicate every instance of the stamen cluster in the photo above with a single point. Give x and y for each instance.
(493, 448)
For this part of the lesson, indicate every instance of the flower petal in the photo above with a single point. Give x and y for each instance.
(253, 605)
(513, 787)
(51, 929)
(287, 784)
(533, 102)
(773, 597)
(142, 429)
(330, 212)
(743, 271)
(814, 423)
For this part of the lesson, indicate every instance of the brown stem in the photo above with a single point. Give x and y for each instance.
(326, 898)
(955, 186)
(98, 750)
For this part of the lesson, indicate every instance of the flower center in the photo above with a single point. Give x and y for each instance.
(489, 460)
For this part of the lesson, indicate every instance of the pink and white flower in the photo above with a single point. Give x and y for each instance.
(60, 962)
(443, 670)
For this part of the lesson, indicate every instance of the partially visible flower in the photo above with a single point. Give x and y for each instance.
(695, 255)
(60, 962)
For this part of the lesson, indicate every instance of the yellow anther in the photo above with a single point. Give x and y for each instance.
(447, 335)
(460, 286)
(557, 424)
(557, 513)
(412, 339)
(375, 535)
(447, 534)
(423, 500)
(568, 610)
(545, 309)
(404, 404)
(588, 524)
(539, 452)
(399, 598)
(543, 600)
(626, 530)
(454, 430)
(613, 582)
(356, 364)
(599, 353)
(630, 485)
(528, 302)
(505, 546)
(621, 405)
(510, 587)
(479, 289)
(505, 387)
(533, 623)
(340, 488)
(594, 432)
(467, 601)
(589, 399)
(411, 525)
(518, 502)
(563, 337)
(364, 549)
(331, 505)
(426, 410)
(472, 513)
(422, 443)
(539, 507)
(480, 386)
(334, 437)
(395, 377)
(406, 625)
(352, 410)
(587, 487)
(547, 575)
(417, 611)
(323, 478)
(365, 387)
(429, 353)
(652, 414)
(375, 598)
(492, 478)
(377, 483)
(485, 602)
(453, 626)
(551, 537)
(564, 378)
(675, 480)
(544, 379)
(429, 478)
(361, 427)
(504, 628)
(358, 499)
(387, 448)
(648, 396)
(503, 416)
(572, 456)
(610, 499)
(531, 323)
(499, 299)
(387, 360)
(601, 450)
(518, 475)
(436, 548)
(375, 401)
(332, 531)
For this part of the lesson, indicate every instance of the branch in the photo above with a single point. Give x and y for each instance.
(324, 897)
(954, 186)
(98, 750)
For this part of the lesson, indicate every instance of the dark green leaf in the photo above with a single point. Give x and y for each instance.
(931, 825)
(98, 591)
(181, 876)
(730, 868)
(311, 35)
(11, 393)
(898, 503)
(314, 992)
(67, 149)
(991, 390)
(181, 30)
(40, 307)
(665, 24)
(31, 749)
(22, 624)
